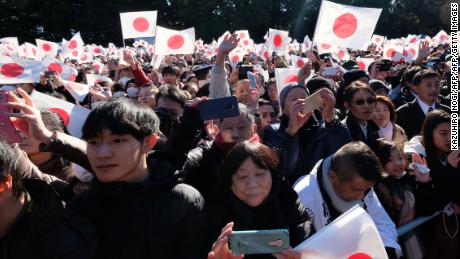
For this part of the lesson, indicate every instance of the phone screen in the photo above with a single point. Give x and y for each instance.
(313, 102)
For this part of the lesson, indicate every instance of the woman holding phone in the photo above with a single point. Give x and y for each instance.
(254, 196)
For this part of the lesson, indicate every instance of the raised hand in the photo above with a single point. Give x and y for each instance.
(297, 118)
(220, 249)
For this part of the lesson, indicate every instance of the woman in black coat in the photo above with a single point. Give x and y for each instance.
(254, 196)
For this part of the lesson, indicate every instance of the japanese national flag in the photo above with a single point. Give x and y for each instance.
(263, 51)
(245, 41)
(19, 70)
(391, 48)
(98, 51)
(67, 72)
(47, 48)
(138, 24)
(298, 62)
(92, 79)
(285, 76)
(31, 51)
(77, 90)
(363, 63)
(412, 51)
(171, 42)
(345, 25)
(236, 55)
(98, 65)
(8, 49)
(307, 44)
(342, 53)
(77, 114)
(277, 40)
(156, 61)
(377, 40)
(75, 43)
(411, 38)
(85, 57)
(441, 38)
(353, 235)
(325, 48)
(10, 40)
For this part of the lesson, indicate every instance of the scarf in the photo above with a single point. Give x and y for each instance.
(337, 202)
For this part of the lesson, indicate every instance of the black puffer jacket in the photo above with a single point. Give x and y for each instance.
(314, 141)
(357, 133)
(44, 230)
(157, 218)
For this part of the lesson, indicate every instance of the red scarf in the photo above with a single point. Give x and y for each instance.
(226, 146)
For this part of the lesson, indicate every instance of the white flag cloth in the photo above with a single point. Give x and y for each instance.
(77, 114)
(236, 55)
(277, 41)
(377, 40)
(345, 25)
(47, 48)
(19, 70)
(138, 24)
(441, 38)
(325, 48)
(353, 235)
(31, 51)
(363, 63)
(285, 76)
(10, 40)
(171, 42)
(391, 48)
(307, 44)
(341, 53)
(77, 90)
(92, 79)
(75, 43)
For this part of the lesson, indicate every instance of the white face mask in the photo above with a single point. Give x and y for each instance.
(119, 94)
(132, 92)
(95, 104)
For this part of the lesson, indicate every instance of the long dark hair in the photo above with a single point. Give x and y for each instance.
(432, 120)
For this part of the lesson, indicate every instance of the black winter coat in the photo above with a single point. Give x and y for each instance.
(357, 133)
(157, 218)
(45, 230)
(313, 142)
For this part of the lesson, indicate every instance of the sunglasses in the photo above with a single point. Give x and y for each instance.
(362, 101)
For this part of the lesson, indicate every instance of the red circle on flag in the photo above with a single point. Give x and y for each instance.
(97, 50)
(300, 63)
(72, 44)
(84, 58)
(341, 54)
(209, 53)
(404, 53)
(46, 47)
(413, 40)
(97, 67)
(34, 52)
(235, 58)
(359, 256)
(176, 42)
(265, 54)
(391, 53)
(141, 24)
(306, 44)
(290, 79)
(412, 51)
(378, 39)
(362, 65)
(72, 77)
(242, 35)
(75, 53)
(345, 25)
(11, 70)
(55, 67)
(443, 37)
(325, 45)
(277, 40)
(246, 42)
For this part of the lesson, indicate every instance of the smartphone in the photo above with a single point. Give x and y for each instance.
(313, 102)
(243, 71)
(219, 108)
(48, 74)
(258, 241)
(252, 79)
(329, 71)
(7, 131)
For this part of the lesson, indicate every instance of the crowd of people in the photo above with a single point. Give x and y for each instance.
(150, 179)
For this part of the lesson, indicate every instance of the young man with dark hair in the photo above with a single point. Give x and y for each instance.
(427, 85)
(343, 180)
(170, 75)
(173, 99)
(33, 222)
(136, 203)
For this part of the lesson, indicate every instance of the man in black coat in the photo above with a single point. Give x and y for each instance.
(33, 222)
(411, 115)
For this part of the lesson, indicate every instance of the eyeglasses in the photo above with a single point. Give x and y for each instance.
(362, 101)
